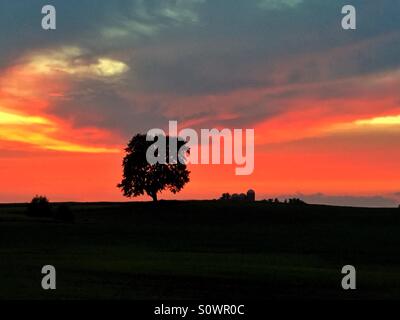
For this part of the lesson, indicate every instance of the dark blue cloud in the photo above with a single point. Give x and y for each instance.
(376, 201)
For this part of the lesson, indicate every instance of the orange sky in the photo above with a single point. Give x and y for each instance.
(309, 149)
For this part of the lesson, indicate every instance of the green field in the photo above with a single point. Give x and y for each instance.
(201, 249)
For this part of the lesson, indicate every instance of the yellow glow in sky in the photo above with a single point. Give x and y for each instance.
(70, 60)
(108, 67)
(25, 129)
(380, 121)
(17, 119)
(42, 141)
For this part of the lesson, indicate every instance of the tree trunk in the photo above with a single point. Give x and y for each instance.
(153, 195)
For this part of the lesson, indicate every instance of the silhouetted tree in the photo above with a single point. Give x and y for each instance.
(39, 207)
(225, 196)
(141, 177)
(296, 201)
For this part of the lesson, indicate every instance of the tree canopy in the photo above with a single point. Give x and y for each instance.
(140, 177)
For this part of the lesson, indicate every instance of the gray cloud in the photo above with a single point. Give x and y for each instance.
(192, 48)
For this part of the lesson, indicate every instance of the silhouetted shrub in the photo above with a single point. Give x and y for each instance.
(64, 214)
(39, 207)
(225, 197)
(297, 202)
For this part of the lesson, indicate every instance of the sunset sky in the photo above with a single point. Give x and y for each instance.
(324, 102)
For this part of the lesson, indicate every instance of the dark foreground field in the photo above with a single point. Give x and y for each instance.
(207, 249)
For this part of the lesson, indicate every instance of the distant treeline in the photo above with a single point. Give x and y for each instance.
(293, 201)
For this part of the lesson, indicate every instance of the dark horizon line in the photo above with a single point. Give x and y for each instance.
(9, 204)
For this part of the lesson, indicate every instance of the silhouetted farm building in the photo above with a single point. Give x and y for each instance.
(250, 196)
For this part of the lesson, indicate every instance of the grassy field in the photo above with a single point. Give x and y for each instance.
(201, 249)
